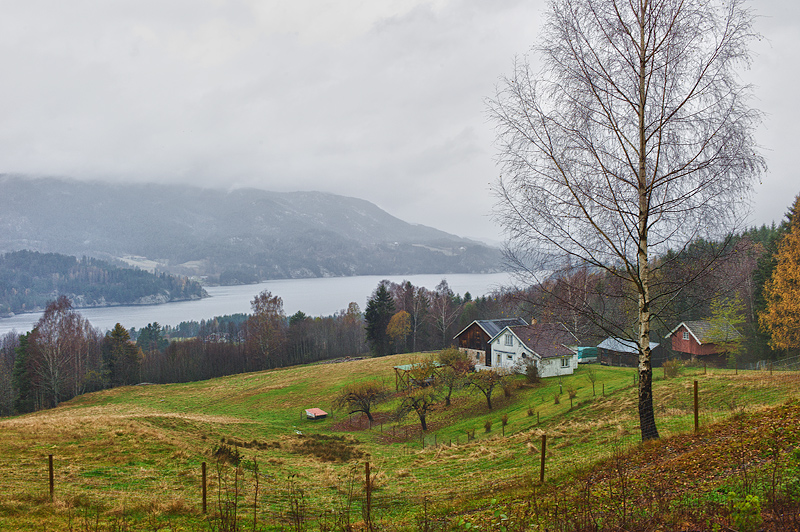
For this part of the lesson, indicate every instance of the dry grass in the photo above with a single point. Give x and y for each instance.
(138, 449)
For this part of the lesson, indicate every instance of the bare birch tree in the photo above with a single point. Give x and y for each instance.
(635, 137)
(445, 310)
(64, 348)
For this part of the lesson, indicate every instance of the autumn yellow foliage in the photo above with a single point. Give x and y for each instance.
(781, 319)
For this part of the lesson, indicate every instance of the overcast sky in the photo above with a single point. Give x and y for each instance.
(377, 99)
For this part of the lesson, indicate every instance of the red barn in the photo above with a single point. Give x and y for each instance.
(698, 341)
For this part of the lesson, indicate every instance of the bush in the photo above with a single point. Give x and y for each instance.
(572, 392)
(532, 372)
(226, 454)
(488, 425)
(672, 368)
(508, 386)
(746, 514)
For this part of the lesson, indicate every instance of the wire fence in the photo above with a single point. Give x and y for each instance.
(436, 468)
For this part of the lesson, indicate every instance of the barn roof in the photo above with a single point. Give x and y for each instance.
(704, 331)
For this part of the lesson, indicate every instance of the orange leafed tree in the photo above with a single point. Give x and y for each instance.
(399, 328)
(781, 319)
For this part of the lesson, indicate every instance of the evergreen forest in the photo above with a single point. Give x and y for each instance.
(29, 280)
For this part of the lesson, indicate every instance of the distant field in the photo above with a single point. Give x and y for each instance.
(133, 455)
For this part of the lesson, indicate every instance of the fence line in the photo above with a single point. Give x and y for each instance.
(284, 496)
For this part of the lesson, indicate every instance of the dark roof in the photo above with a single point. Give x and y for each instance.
(546, 339)
(492, 327)
(704, 333)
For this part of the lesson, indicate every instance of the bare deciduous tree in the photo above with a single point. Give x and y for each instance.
(445, 310)
(266, 330)
(64, 347)
(362, 397)
(636, 137)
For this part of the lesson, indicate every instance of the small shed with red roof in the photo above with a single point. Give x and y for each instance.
(316, 413)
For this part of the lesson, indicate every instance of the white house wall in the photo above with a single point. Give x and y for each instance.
(509, 358)
(551, 367)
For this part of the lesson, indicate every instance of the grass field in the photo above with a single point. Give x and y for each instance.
(130, 458)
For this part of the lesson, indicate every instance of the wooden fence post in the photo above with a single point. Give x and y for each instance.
(544, 449)
(52, 476)
(696, 409)
(203, 468)
(368, 491)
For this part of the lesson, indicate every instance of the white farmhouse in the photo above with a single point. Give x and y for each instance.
(543, 343)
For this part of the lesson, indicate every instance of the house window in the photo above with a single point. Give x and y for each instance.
(564, 362)
(509, 340)
(685, 335)
(510, 357)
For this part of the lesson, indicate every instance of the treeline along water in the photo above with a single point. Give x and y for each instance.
(315, 297)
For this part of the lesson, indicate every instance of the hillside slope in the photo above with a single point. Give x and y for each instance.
(266, 235)
(30, 280)
(137, 452)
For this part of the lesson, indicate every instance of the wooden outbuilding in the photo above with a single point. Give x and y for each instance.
(623, 352)
(403, 375)
(316, 413)
(474, 339)
(700, 341)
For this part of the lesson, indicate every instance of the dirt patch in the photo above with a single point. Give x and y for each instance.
(359, 421)
(327, 448)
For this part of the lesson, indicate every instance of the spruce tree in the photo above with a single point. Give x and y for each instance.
(380, 309)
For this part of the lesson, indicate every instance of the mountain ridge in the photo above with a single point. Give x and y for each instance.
(208, 232)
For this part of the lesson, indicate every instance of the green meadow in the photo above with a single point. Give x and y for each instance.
(131, 458)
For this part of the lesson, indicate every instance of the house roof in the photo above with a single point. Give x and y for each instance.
(705, 331)
(315, 412)
(547, 340)
(622, 345)
(492, 327)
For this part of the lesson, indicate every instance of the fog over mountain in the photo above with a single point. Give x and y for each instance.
(242, 235)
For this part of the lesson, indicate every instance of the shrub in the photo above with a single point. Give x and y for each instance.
(746, 514)
(488, 425)
(556, 398)
(572, 392)
(532, 372)
(509, 386)
(672, 368)
(226, 454)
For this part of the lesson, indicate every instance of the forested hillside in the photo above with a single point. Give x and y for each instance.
(29, 280)
(235, 236)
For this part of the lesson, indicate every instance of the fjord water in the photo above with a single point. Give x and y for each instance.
(315, 297)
